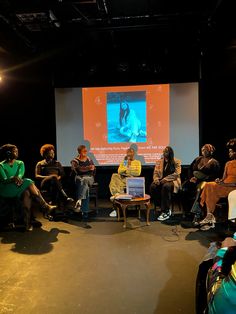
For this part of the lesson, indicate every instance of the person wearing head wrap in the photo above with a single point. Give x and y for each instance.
(213, 191)
(204, 168)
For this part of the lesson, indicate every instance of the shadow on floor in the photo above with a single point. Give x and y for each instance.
(176, 284)
(37, 241)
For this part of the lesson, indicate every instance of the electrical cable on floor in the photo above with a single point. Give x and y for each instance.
(175, 234)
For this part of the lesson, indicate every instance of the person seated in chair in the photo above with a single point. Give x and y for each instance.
(203, 169)
(129, 167)
(50, 173)
(166, 180)
(213, 191)
(84, 170)
(13, 183)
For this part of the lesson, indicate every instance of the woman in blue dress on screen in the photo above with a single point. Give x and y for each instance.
(130, 125)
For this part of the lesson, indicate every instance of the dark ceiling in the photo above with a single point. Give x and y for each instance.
(116, 36)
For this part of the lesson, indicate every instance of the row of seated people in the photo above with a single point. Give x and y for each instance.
(48, 176)
(210, 192)
(166, 179)
(200, 192)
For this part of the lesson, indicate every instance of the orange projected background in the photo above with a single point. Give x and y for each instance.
(95, 108)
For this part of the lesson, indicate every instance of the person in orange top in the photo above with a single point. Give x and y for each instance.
(213, 191)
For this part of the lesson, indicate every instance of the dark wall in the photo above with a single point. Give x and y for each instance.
(27, 112)
(28, 115)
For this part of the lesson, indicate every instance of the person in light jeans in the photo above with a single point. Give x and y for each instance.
(84, 170)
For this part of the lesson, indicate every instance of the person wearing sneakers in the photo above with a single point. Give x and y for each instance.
(129, 167)
(84, 170)
(213, 191)
(166, 180)
(50, 173)
(204, 168)
(13, 183)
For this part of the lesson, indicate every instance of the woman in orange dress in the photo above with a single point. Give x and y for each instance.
(213, 191)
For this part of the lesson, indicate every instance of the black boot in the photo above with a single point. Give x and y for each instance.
(47, 208)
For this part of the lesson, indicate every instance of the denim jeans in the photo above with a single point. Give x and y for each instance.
(83, 184)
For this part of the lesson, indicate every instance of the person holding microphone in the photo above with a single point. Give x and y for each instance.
(129, 167)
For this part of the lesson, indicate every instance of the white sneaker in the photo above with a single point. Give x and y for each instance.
(164, 216)
(69, 199)
(113, 213)
(77, 206)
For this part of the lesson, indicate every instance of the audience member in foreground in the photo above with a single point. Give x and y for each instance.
(221, 279)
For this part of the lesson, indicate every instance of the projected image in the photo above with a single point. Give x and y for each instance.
(113, 118)
(126, 117)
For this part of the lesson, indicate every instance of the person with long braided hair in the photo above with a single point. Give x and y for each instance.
(166, 180)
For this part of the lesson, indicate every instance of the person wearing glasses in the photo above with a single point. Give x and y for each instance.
(84, 170)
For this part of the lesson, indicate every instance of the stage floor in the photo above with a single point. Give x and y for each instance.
(65, 268)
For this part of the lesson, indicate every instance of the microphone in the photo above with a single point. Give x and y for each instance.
(126, 161)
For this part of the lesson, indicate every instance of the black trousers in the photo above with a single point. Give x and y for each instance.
(161, 195)
(189, 192)
(53, 186)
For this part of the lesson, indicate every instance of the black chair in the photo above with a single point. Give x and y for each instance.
(93, 193)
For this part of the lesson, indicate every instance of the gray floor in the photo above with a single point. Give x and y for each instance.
(64, 268)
